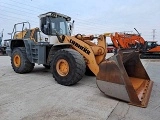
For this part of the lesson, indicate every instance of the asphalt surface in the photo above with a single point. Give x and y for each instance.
(37, 96)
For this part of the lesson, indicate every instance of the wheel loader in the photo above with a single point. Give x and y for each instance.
(122, 76)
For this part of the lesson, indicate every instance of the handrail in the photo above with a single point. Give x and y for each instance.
(15, 29)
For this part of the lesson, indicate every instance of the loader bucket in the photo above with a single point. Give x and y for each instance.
(123, 76)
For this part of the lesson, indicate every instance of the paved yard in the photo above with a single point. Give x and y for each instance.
(36, 96)
(124, 111)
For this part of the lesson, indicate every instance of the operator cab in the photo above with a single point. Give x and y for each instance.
(151, 44)
(52, 22)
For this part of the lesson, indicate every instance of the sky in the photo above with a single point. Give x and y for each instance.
(90, 16)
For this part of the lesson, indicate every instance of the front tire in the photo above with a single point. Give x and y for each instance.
(20, 62)
(68, 66)
(89, 72)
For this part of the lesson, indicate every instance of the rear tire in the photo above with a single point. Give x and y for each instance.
(2, 52)
(20, 62)
(68, 66)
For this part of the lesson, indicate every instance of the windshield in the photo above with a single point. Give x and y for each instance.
(50, 25)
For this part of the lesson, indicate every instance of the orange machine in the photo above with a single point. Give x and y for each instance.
(150, 50)
(121, 76)
(147, 49)
(124, 40)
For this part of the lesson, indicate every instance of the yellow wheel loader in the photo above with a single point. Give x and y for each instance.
(122, 76)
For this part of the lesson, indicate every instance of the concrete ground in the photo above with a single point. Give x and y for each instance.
(123, 111)
(36, 96)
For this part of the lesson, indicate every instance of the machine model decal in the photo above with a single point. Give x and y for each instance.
(79, 46)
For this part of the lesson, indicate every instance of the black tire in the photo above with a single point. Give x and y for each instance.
(89, 72)
(76, 65)
(25, 65)
(1, 51)
(46, 66)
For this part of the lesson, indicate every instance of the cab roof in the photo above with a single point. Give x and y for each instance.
(55, 15)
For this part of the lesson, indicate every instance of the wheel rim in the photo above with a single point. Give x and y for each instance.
(62, 67)
(17, 60)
